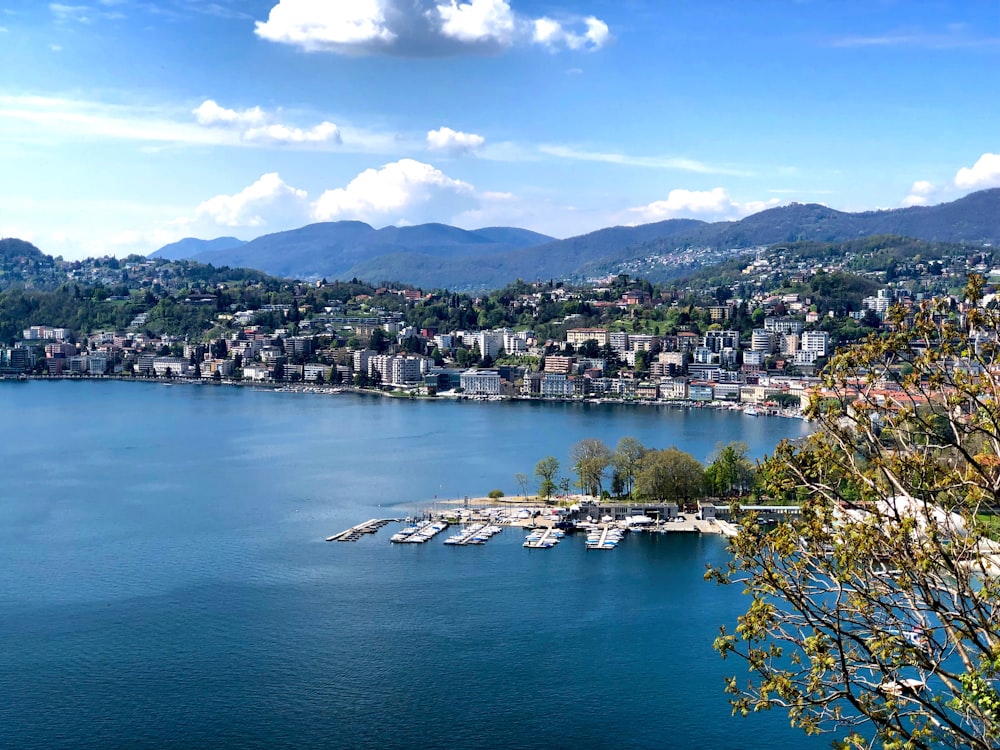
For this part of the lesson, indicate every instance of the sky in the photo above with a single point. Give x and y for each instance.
(129, 124)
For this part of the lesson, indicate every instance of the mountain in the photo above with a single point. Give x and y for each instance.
(438, 255)
(344, 249)
(191, 246)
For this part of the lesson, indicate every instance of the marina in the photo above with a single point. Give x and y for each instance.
(546, 527)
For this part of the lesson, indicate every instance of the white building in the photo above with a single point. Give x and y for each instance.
(816, 341)
(481, 382)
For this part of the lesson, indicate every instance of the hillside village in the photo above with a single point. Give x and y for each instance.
(755, 338)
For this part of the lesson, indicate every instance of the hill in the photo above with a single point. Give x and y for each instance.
(438, 255)
(191, 246)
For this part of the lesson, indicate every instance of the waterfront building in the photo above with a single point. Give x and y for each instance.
(17, 359)
(701, 392)
(256, 372)
(481, 382)
(556, 385)
(176, 366)
(727, 391)
(647, 390)
(624, 387)
(674, 388)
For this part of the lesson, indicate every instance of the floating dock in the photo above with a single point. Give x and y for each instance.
(354, 533)
(478, 533)
(418, 534)
(607, 538)
(545, 540)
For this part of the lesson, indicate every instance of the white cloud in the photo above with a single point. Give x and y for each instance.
(64, 13)
(714, 204)
(454, 142)
(267, 201)
(920, 194)
(255, 125)
(421, 27)
(985, 173)
(340, 26)
(210, 113)
(651, 162)
(477, 21)
(323, 133)
(405, 190)
(553, 34)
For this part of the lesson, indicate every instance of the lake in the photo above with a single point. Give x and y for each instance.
(165, 583)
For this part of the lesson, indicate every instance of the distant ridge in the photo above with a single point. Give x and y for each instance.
(438, 255)
(191, 246)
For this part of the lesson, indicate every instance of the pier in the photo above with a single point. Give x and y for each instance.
(478, 533)
(605, 538)
(354, 533)
(418, 534)
(544, 540)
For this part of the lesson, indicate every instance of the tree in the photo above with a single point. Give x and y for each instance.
(379, 340)
(591, 458)
(877, 614)
(546, 471)
(669, 475)
(729, 471)
(626, 462)
(522, 483)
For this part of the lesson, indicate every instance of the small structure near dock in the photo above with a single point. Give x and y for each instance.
(354, 533)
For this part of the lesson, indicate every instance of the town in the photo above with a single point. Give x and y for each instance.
(753, 340)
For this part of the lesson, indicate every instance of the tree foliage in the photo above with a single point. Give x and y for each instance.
(591, 458)
(875, 616)
(729, 472)
(546, 471)
(669, 475)
(625, 460)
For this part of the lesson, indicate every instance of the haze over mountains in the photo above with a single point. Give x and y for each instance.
(438, 255)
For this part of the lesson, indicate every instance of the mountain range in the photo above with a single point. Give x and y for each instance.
(438, 255)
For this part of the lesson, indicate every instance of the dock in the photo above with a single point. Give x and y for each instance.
(478, 533)
(354, 533)
(419, 533)
(547, 539)
(607, 538)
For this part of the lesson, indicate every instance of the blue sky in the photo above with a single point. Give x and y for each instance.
(127, 124)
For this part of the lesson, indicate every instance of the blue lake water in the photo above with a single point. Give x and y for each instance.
(164, 580)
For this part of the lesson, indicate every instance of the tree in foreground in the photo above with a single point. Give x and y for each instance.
(730, 473)
(546, 471)
(669, 475)
(591, 458)
(626, 462)
(875, 617)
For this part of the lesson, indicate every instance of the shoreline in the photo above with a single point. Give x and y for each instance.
(334, 390)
